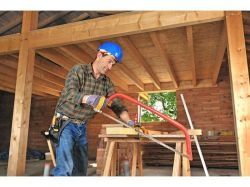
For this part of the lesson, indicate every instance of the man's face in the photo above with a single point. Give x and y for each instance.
(105, 64)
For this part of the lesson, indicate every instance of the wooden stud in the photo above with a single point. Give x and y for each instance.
(21, 113)
(185, 162)
(240, 88)
(108, 157)
(177, 161)
(134, 160)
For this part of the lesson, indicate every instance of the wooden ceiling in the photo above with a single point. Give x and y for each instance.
(157, 56)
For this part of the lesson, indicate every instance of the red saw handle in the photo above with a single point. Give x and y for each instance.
(167, 118)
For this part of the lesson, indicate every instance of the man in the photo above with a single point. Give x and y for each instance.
(86, 88)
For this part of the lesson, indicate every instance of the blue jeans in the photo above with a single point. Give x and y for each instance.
(72, 151)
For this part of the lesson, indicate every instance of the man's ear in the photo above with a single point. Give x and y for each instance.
(99, 55)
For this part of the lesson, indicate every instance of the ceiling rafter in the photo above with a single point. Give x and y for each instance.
(191, 55)
(56, 57)
(80, 17)
(10, 66)
(222, 45)
(11, 24)
(154, 37)
(47, 66)
(133, 51)
(77, 53)
(52, 18)
(10, 73)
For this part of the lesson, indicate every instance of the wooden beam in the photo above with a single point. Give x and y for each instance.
(119, 25)
(77, 53)
(240, 88)
(56, 57)
(222, 44)
(138, 58)
(190, 50)
(21, 113)
(163, 54)
(10, 44)
(168, 86)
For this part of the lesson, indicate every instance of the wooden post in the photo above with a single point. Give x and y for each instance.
(21, 113)
(177, 161)
(240, 88)
(185, 162)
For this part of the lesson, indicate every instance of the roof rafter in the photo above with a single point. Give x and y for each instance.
(77, 53)
(222, 45)
(56, 57)
(190, 50)
(133, 51)
(164, 55)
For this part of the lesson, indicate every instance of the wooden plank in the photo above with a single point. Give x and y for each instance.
(190, 49)
(185, 162)
(134, 52)
(21, 113)
(134, 159)
(140, 162)
(220, 54)
(10, 44)
(108, 157)
(163, 54)
(120, 130)
(177, 161)
(240, 88)
(119, 25)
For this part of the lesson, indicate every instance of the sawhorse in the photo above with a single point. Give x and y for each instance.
(181, 166)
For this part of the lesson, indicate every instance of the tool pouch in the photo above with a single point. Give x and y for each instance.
(55, 127)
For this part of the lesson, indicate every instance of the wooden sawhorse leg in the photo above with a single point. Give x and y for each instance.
(181, 166)
(108, 157)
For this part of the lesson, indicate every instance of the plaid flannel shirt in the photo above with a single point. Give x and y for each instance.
(80, 81)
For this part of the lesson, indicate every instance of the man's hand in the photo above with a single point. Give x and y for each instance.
(97, 101)
(131, 123)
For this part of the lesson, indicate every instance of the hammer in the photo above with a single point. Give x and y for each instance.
(47, 136)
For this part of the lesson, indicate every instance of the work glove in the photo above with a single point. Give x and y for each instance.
(97, 101)
(131, 123)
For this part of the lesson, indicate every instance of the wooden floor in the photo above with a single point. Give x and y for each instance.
(35, 168)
